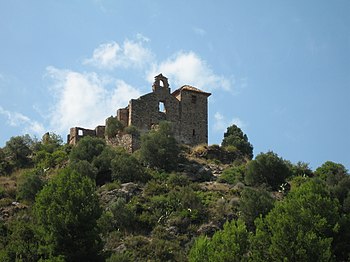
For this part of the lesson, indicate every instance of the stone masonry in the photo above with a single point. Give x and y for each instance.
(186, 108)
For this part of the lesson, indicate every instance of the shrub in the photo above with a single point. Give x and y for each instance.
(132, 130)
(113, 126)
(236, 138)
(30, 184)
(267, 169)
(232, 175)
(126, 168)
(159, 148)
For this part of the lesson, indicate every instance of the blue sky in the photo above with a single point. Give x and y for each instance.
(278, 69)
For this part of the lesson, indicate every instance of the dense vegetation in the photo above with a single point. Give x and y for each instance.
(168, 202)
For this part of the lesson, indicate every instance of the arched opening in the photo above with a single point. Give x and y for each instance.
(161, 107)
(161, 83)
(80, 132)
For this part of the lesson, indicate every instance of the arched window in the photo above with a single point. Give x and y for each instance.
(161, 107)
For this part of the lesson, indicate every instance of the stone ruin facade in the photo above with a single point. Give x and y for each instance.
(186, 108)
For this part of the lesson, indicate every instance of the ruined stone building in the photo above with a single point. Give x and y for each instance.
(186, 108)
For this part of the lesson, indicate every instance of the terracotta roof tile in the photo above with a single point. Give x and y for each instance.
(190, 88)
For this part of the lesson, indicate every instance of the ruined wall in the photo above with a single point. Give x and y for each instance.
(146, 111)
(100, 131)
(76, 133)
(128, 141)
(194, 117)
(186, 108)
(123, 115)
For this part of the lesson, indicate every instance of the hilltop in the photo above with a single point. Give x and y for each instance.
(168, 202)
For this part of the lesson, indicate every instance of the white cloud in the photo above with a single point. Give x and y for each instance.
(188, 68)
(221, 123)
(85, 99)
(28, 125)
(130, 54)
(105, 56)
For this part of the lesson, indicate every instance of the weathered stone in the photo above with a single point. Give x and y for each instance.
(186, 108)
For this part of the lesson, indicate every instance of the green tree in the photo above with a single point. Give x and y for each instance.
(118, 216)
(29, 185)
(18, 150)
(103, 164)
(300, 169)
(299, 228)
(268, 169)
(23, 242)
(235, 137)
(88, 148)
(84, 168)
(5, 166)
(331, 172)
(67, 210)
(254, 203)
(159, 148)
(229, 244)
(126, 168)
(51, 142)
(233, 175)
(113, 126)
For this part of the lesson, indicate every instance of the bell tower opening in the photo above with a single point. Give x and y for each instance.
(160, 82)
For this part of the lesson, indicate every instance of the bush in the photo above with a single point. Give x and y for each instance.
(159, 148)
(254, 203)
(232, 175)
(229, 244)
(30, 184)
(235, 138)
(67, 210)
(132, 130)
(113, 126)
(267, 169)
(331, 172)
(126, 168)
(18, 150)
(88, 148)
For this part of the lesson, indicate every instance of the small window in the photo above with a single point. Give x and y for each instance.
(161, 107)
(194, 99)
(193, 132)
(80, 132)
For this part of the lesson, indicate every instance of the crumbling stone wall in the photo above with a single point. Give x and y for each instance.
(128, 141)
(76, 133)
(186, 108)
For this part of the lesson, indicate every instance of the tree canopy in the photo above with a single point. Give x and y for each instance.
(67, 210)
(159, 147)
(268, 169)
(234, 136)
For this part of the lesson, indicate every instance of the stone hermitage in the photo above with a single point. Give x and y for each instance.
(186, 108)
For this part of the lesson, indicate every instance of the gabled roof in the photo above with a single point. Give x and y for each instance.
(189, 88)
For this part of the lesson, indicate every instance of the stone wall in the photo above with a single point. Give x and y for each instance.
(186, 108)
(123, 115)
(194, 118)
(146, 112)
(76, 133)
(128, 141)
